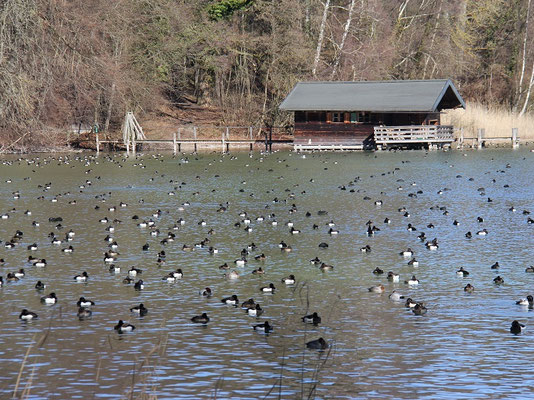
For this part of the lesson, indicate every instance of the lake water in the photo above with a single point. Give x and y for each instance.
(378, 348)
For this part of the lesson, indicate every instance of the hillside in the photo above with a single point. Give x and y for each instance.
(231, 62)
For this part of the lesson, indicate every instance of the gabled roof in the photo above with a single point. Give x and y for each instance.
(377, 96)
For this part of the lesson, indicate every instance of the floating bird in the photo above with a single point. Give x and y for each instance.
(318, 344)
(122, 327)
(27, 315)
(516, 328)
(312, 319)
(201, 319)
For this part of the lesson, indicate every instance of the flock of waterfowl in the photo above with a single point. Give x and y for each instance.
(63, 237)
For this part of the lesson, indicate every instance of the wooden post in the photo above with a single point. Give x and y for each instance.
(174, 143)
(97, 144)
(480, 135)
(515, 140)
(461, 140)
(195, 137)
(270, 139)
(266, 142)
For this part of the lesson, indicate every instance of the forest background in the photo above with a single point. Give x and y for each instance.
(231, 62)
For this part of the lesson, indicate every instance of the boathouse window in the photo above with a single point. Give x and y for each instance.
(360, 116)
(337, 117)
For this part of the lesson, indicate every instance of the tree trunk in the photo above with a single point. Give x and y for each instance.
(527, 98)
(110, 106)
(524, 59)
(321, 37)
(343, 38)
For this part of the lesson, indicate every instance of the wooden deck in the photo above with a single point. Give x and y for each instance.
(429, 135)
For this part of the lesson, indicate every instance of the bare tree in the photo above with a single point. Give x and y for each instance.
(321, 38)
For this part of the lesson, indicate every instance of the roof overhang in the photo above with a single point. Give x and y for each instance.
(420, 96)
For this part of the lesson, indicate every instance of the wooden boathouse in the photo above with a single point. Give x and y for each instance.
(371, 114)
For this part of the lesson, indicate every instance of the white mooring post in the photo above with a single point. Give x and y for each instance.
(174, 143)
(222, 139)
(97, 144)
(515, 139)
(461, 139)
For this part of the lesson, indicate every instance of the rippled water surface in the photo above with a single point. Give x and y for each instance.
(378, 348)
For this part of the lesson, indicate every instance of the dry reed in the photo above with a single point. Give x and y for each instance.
(497, 122)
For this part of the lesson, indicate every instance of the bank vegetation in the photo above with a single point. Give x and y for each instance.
(231, 62)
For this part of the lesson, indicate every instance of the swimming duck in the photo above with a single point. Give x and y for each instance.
(122, 327)
(377, 289)
(483, 232)
(432, 245)
(312, 319)
(140, 309)
(134, 271)
(108, 258)
(139, 285)
(224, 266)
(250, 303)
(83, 302)
(469, 235)
(326, 267)
(50, 299)
(412, 281)
(69, 249)
(498, 280)
(232, 300)
(40, 285)
(290, 280)
(413, 262)
(529, 301)
(409, 303)
(378, 271)
(84, 313)
(318, 344)
(11, 277)
(259, 271)
(495, 266)
(393, 277)
(27, 315)
(264, 327)
(240, 262)
(256, 311)
(114, 269)
(395, 296)
(516, 328)
(213, 250)
(20, 273)
(365, 249)
(128, 280)
(529, 269)
(419, 309)
(201, 319)
(407, 253)
(462, 272)
(315, 261)
(268, 289)
(232, 275)
(260, 257)
(82, 278)
(469, 288)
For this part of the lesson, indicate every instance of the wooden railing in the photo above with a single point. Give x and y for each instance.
(414, 134)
